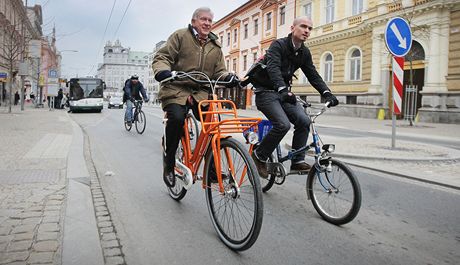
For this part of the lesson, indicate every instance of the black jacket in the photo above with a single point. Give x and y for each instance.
(132, 91)
(281, 63)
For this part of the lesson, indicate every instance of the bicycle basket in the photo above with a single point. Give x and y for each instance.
(264, 127)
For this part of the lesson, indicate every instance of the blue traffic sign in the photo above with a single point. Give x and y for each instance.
(398, 36)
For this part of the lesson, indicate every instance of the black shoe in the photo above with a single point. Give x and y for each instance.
(129, 123)
(169, 178)
(300, 167)
(261, 166)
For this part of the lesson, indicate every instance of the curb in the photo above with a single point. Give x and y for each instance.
(401, 175)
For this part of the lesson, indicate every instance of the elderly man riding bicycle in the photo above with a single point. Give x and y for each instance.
(189, 49)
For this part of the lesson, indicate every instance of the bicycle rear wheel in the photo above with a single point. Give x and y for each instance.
(237, 213)
(140, 122)
(193, 130)
(335, 194)
(127, 127)
(178, 191)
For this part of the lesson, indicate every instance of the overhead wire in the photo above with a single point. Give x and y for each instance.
(103, 35)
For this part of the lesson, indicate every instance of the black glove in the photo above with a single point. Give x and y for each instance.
(330, 98)
(146, 100)
(287, 96)
(234, 82)
(162, 75)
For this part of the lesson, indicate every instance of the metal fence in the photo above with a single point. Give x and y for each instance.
(410, 103)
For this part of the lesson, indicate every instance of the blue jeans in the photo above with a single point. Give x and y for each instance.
(281, 115)
(129, 111)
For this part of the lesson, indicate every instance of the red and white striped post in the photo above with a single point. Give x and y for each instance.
(398, 77)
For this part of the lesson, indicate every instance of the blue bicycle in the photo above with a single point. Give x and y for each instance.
(331, 185)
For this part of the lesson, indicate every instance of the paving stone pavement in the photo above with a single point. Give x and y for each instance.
(33, 155)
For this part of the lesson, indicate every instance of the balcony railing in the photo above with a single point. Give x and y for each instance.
(328, 28)
(421, 2)
(354, 20)
(394, 7)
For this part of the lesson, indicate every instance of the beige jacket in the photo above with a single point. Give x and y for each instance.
(183, 52)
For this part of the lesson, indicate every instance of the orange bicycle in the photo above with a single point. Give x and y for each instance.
(229, 175)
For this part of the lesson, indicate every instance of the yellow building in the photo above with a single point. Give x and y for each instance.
(350, 53)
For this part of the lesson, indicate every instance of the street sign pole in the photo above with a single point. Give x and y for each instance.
(398, 38)
(398, 77)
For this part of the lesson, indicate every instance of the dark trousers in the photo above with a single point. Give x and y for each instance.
(175, 115)
(281, 116)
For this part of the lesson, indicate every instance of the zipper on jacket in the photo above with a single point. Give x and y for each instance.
(201, 58)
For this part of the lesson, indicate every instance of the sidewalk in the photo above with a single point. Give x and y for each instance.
(40, 207)
(426, 162)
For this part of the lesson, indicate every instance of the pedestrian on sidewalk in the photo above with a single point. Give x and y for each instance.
(272, 78)
(16, 98)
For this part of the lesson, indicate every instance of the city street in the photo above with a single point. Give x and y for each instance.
(401, 221)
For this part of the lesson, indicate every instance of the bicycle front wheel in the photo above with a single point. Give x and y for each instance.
(140, 122)
(334, 192)
(236, 213)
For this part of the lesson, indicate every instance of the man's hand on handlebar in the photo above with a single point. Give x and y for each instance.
(329, 97)
(232, 79)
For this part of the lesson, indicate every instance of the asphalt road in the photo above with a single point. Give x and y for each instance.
(400, 222)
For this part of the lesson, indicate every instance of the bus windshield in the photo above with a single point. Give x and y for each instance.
(85, 88)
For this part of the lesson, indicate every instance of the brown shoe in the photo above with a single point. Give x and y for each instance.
(300, 167)
(261, 166)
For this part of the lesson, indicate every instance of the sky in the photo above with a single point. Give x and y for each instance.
(80, 26)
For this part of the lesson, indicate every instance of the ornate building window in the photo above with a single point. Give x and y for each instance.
(269, 21)
(307, 9)
(282, 15)
(328, 67)
(256, 26)
(330, 11)
(357, 7)
(354, 63)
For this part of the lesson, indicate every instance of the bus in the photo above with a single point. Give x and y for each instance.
(86, 94)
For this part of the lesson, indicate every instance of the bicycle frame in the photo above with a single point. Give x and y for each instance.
(213, 130)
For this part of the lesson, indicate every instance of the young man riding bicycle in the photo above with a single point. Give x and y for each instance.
(133, 90)
(190, 49)
(275, 99)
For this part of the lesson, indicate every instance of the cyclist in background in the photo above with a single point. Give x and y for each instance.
(194, 48)
(132, 91)
(275, 99)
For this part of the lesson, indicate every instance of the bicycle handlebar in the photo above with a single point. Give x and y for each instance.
(175, 75)
(306, 105)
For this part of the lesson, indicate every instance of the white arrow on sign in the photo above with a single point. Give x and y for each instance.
(402, 41)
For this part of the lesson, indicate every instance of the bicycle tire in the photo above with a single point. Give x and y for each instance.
(343, 178)
(178, 191)
(193, 130)
(140, 122)
(248, 198)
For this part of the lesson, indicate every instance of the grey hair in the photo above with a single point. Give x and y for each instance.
(202, 10)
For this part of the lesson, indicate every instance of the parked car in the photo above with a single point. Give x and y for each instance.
(115, 102)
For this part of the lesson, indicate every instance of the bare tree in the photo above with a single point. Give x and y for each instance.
(12, 52)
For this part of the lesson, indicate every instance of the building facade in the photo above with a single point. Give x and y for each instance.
(153, 84)
(119, 64)
(19, 26)
(349, 51)
(349, 48)
(245, 35)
